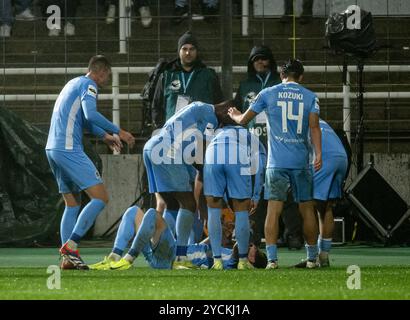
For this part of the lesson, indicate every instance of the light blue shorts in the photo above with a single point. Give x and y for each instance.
(74, 171)
(227, 178)
(167, 177)
(278, 181)
(328, 181)
(163, 255)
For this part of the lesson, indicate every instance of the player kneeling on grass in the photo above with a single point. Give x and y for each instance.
(154, 238)
(232, 157)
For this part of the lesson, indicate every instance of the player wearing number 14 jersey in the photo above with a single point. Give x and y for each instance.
(292, 112)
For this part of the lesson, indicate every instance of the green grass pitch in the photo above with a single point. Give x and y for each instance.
(384, 274)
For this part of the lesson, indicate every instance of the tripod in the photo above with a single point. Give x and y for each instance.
(360, 127)
(359, 139)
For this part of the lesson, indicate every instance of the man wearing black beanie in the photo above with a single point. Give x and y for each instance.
(187, 38)
(186, 79)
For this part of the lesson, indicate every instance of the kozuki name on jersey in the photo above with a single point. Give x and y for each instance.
(287, 106)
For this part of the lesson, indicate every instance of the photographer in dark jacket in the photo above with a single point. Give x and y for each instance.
(186, 79)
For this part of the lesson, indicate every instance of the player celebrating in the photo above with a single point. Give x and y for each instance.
(169, 158)
(75, 110)
(292, 111)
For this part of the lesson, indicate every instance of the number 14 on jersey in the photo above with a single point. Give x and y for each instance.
(287, 114)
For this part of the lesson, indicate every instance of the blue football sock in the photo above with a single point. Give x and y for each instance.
(215, 230)
(126, 230)
(191, 239)
(242, 232)
(272, 252)
(324, 244)
(184, 223)
(312, 251)
(170, 217)
(144, 233)
(68, 222)
(196, 231)
(86, 219)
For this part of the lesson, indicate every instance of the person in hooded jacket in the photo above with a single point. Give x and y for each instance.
(262, 73)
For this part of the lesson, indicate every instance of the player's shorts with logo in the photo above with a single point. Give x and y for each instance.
(227, 178)
(166, 177)
(74, 171)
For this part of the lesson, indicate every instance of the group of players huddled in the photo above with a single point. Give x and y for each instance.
(205, 147)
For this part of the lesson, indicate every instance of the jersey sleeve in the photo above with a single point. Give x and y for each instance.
(260, 173)
(89, 106)
(95, 130)
(258, 105)
(315, 105)
(208, 115)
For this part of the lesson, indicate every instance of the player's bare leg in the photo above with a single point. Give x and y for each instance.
(310, 231)
(326, 227)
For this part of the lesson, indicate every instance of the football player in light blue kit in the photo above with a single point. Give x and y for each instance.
(231, 159)
(292, 111)
(153, 237)
(74, 111)
(328, 186)
(169, 157)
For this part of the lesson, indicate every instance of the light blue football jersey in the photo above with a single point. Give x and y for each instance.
(75, 110)
(236, 145)
(332, 146)
(187, 125)
(287, 106)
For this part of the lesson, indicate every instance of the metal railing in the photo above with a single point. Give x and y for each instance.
(116, 96)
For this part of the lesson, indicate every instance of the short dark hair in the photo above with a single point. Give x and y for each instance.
(221, 111)
(261, 260)
(293, 68)
(98, 62)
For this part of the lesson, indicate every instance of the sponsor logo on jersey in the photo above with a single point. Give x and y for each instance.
(317, 103)
(250, 97)
(92, 91)
(254, 100)
(175, 85)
